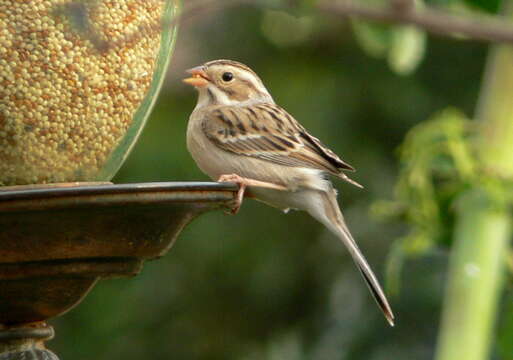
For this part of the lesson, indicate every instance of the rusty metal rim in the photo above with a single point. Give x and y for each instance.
(85, 267)
(41, 333)
(108, 189)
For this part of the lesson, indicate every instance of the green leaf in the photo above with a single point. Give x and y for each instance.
(407, 49)
(437, 164)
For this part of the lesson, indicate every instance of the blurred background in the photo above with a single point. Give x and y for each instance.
(262, 284)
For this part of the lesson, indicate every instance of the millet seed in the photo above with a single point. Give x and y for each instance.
(67, 97)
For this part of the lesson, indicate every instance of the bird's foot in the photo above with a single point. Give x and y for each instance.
(243, 184)
(234, 178)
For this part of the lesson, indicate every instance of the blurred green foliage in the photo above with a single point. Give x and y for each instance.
(490, 6)
(437, 165)
(402, 46)
(505, 340)
(265, 285)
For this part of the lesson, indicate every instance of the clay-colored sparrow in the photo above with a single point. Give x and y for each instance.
(237, 133)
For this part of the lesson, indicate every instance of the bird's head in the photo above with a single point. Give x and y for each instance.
(226, 82)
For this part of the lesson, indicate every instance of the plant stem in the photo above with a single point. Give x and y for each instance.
(475, 278)
(483, 223)
(496, 112)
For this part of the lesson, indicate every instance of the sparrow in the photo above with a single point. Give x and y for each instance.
(237, 133)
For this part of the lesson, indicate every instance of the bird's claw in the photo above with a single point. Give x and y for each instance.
(234, 178)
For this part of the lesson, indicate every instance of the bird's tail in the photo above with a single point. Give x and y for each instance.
(328, 212)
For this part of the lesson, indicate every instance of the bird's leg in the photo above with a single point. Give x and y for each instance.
(234, 178)
(243, 183)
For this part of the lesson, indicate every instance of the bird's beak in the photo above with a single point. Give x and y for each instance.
(199, 77)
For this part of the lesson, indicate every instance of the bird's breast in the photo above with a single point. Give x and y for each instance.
(203, 151)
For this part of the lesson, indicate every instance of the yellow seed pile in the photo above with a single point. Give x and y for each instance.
(72, 75)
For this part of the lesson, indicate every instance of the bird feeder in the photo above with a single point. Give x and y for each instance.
(78, 80)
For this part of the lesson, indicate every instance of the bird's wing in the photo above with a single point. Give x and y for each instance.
(268, 132)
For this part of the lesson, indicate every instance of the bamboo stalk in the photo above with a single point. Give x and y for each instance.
(483, 225)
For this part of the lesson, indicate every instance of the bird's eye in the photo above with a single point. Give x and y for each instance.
(227, 76)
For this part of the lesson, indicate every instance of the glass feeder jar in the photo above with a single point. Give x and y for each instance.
(78, 80)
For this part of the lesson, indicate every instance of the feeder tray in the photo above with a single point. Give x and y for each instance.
(58, 240)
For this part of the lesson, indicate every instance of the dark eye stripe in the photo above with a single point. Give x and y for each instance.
(247, 83)
(230, 92)
(253, 87)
